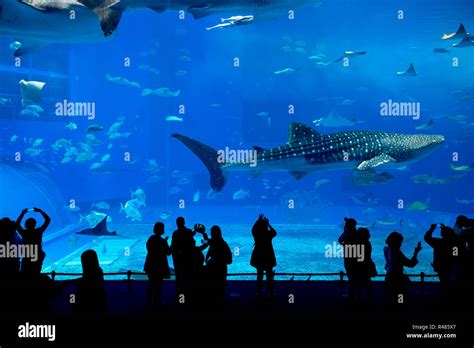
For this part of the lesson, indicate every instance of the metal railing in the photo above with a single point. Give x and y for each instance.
(340, 274)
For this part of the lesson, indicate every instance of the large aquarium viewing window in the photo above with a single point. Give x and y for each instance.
(330, 123)
(311, 123)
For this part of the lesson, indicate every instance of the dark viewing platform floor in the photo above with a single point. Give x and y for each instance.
(320, 312)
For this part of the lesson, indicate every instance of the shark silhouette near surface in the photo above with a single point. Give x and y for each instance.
(308, 151)
(39, 23)
(99, 230)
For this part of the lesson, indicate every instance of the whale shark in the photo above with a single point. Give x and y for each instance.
(308, 151)
(33, 24)
(99, 230)
(110, 11)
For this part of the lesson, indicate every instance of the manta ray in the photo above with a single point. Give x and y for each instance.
(409, 72)
(99, 230)
(308, 151)
(333, 119)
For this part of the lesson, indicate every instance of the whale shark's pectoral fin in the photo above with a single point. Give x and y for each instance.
(109, 14)
(199, 12)
(44, 6)
(375, 162)
(297, 174)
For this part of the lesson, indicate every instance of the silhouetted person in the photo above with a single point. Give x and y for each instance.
(33, 238)
(91, 296)
(395, 280)
(156, 264)
(363, 269)
(263, 256)
(448, 257)
(348, 240)
(198, 285)
(464, 227)
(218, 257)
(182, 250)
(9, 266)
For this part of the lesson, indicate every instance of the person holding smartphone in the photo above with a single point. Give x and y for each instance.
(32, 237)
(396, 280)
(263, 256)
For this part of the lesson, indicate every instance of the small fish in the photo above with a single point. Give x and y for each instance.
(94, 128)
(13, 138)
(461, 168)
(173, 119)
(4, 101)
(419, 205)
(14, 46)
(321, 182)
(285, 71)
(464, 201)
(161, 92)
(164, 215)
(71, 126)
(196, 196)
(105, 157)
(174, 190)
(426, 126)
(101, 206)
(153, 179)
(441, 50)
(240, 195)
(37, 142)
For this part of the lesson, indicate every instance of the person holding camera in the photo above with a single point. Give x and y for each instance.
(263, 256)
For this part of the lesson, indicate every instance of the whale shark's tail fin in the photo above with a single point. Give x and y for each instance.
(208, 156)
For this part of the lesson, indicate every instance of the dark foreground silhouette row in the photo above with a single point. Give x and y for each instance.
(201, 279)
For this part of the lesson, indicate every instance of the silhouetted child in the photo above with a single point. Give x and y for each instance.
(9, 266)
(348, 240)
(91, 296)
(395, 280)
(218, 257)
(263, 256)
(156, 264)
(33, 238)
(363, 267)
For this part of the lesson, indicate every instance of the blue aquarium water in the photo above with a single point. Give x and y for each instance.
(101, 135)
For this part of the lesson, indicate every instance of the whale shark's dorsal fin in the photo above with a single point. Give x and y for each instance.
(109, 15)
(299, 131)
(411, 69)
